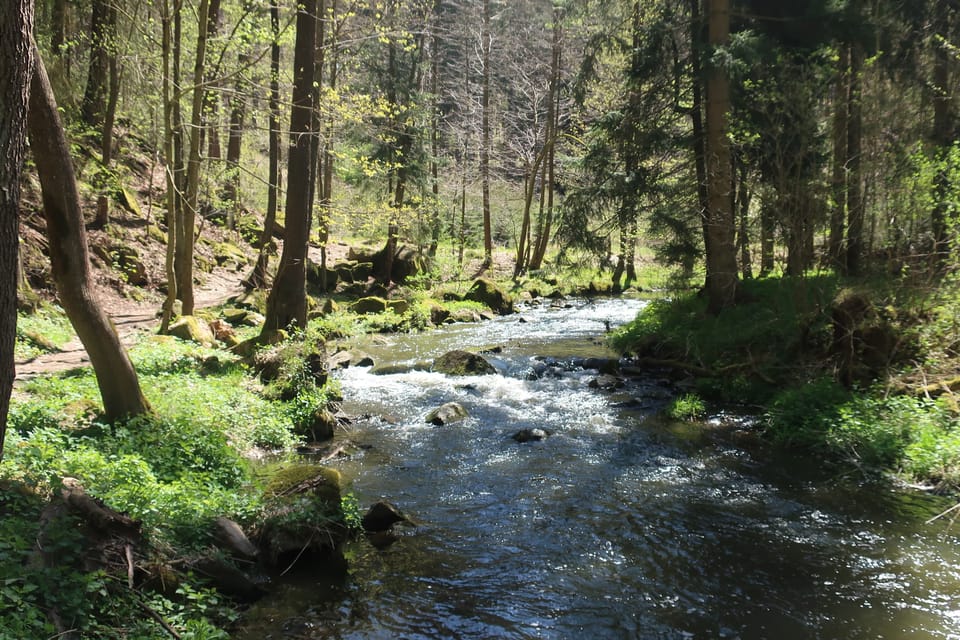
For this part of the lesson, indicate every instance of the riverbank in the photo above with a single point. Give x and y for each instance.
(179, 472)
(859, 375)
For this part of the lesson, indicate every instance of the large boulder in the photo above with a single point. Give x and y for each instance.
(462, 363)
(447, 414)
(487, 293)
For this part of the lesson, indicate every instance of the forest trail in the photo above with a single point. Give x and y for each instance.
(131, 317)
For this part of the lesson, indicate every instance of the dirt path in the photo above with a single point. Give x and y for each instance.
(131, 318)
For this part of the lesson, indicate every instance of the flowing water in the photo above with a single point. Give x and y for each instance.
(619, 525)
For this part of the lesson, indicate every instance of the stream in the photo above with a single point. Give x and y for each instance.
(621, 524)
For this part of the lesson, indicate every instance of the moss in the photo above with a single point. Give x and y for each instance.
(326, 483)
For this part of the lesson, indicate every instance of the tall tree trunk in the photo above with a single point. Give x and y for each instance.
(743, 235)
(838, 211)
(722, 280)
(211, 109)
(238, 108)
(855, 207)
(943, 134)
(58, 27)
(173, 218)
(95, 95)
(545, 226)
(696, 118)
(185, 267)
(110, 115)
(16, 66)
(69, 258)
(435, 224)
(287, 302)
(768, 220)
(485, 45)
(258, 279)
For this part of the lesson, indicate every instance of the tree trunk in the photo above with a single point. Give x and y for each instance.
(93, 107)
(839, 175)
(435, 223)
(238, 109)
(16, 65)
(855, 209)
(485, 44)
(287, 302)
(743, 236)
(767, 226)
(69, 258)
(110, 115)
(696, 119)
(722, 278)
(173, 219)
(258, 279)
(212, 93)
(943, 135)
(185, 266)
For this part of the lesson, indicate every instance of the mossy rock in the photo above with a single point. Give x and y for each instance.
(322, 482)
(488, 293)
(128, 201)
(438, 314)
(462, 363)
(368, 305)
(157, 234)
(399, 307)
(242, 317)
(226, 254)
(191, 329)
(255, 300)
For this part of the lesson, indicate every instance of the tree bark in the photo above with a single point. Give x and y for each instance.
(16, 66)
(943, 134)
(485, 46)
(110, 114)
(855, 208)
(696, 118)
(69, 257)
(722, 280)
(838, 212)
(185, 266)
(95, 95)
(173, 219)
(287, 302)
(258, 278)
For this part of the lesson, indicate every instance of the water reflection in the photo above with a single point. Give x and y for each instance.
(617, 526)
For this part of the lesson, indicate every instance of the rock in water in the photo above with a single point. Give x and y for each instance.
(530, 435)
(447, 414)
(381, 517)
(462, 363)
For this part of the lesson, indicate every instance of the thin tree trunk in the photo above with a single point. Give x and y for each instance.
(16, 66)
(485, 45)
(743, 236)
(69, 258)
(696, 118)
(110, 116)
(943, 135)
(173, 219)
(95, 95)
(258, 279)
(722, 277)
(185, 267)
(212, 93)
(838, 212)
(855, 210)
(435, 132)
(287, 302)
(767, 226)
(238, 109)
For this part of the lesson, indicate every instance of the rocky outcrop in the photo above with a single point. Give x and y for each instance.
(368, 305)
(462, 363)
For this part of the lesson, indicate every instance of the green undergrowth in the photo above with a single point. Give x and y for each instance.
(45, 330)
(175, 470)
(774, 353)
